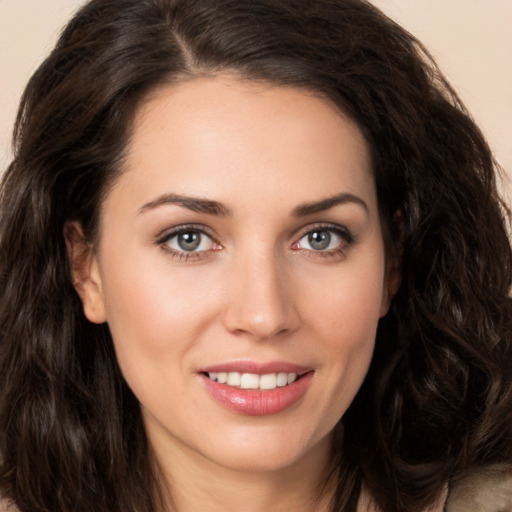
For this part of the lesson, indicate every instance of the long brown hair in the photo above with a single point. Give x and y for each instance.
(438, 396)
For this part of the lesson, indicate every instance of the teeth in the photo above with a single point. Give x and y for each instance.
(282, 379)
(268, 381)
(249, 381)
(292, 377)
(234, 379)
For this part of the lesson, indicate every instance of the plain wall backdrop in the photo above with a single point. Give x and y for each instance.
(470, 39)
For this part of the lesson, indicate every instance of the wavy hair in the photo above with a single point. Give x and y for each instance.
(438, 397)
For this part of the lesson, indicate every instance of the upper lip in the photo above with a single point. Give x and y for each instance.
(257, 368)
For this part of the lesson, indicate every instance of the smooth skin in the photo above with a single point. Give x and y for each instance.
(244, 226)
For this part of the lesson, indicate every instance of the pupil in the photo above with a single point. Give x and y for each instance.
(319, 240)
(189, 241)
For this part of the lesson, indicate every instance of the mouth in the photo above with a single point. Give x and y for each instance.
(257, 389)
(266, 382)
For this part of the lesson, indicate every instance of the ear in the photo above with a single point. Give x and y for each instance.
(391, 286)
(393, 276)
(85, 272)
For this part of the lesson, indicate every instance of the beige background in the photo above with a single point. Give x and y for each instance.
(471, 40)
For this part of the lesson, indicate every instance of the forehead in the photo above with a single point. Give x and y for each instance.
(225, 137)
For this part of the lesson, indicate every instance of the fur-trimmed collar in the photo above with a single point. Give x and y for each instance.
(487, 489)
(482, 490)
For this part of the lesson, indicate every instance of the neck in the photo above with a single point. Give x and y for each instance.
(197, 483)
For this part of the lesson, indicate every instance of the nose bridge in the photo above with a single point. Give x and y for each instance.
(259, 302)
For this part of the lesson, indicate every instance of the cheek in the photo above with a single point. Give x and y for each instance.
(146, 293)
(154, 314)
(346, 323)
(349, 304)
(344, 316)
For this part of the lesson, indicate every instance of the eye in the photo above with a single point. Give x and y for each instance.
(188, 240)
(324, 239)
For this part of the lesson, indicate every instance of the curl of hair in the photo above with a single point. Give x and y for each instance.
(438, 396)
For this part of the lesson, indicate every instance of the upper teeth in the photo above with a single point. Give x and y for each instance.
(253, 381)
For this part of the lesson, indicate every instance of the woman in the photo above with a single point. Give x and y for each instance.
(252, 258)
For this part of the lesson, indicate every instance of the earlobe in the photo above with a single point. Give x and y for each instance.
(391, 286)
(393, 277)
(85, 272)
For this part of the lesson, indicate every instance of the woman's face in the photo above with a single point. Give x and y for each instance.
(242, 243)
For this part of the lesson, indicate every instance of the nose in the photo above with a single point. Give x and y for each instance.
(260, 299)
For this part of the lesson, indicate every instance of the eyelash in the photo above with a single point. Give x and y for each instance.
(347, 240)
(163, 241)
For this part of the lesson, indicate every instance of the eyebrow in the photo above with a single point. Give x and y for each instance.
(196, 204)
(210, 207)
(328, 203)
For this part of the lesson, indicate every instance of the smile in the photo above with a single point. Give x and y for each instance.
(257, 390)
(265, 382)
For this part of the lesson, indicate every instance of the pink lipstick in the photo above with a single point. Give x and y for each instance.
(256, 389)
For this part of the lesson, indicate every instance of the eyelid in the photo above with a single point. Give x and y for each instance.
(187, 256)
(347, 237)
(341, 231)
(167, 233)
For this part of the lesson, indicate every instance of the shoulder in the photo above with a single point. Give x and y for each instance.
(486, 489)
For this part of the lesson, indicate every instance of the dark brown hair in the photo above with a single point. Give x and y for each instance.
(438, 396)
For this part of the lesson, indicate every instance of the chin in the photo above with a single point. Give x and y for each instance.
(270, 452)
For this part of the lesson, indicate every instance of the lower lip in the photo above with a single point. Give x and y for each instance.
(253, 402)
